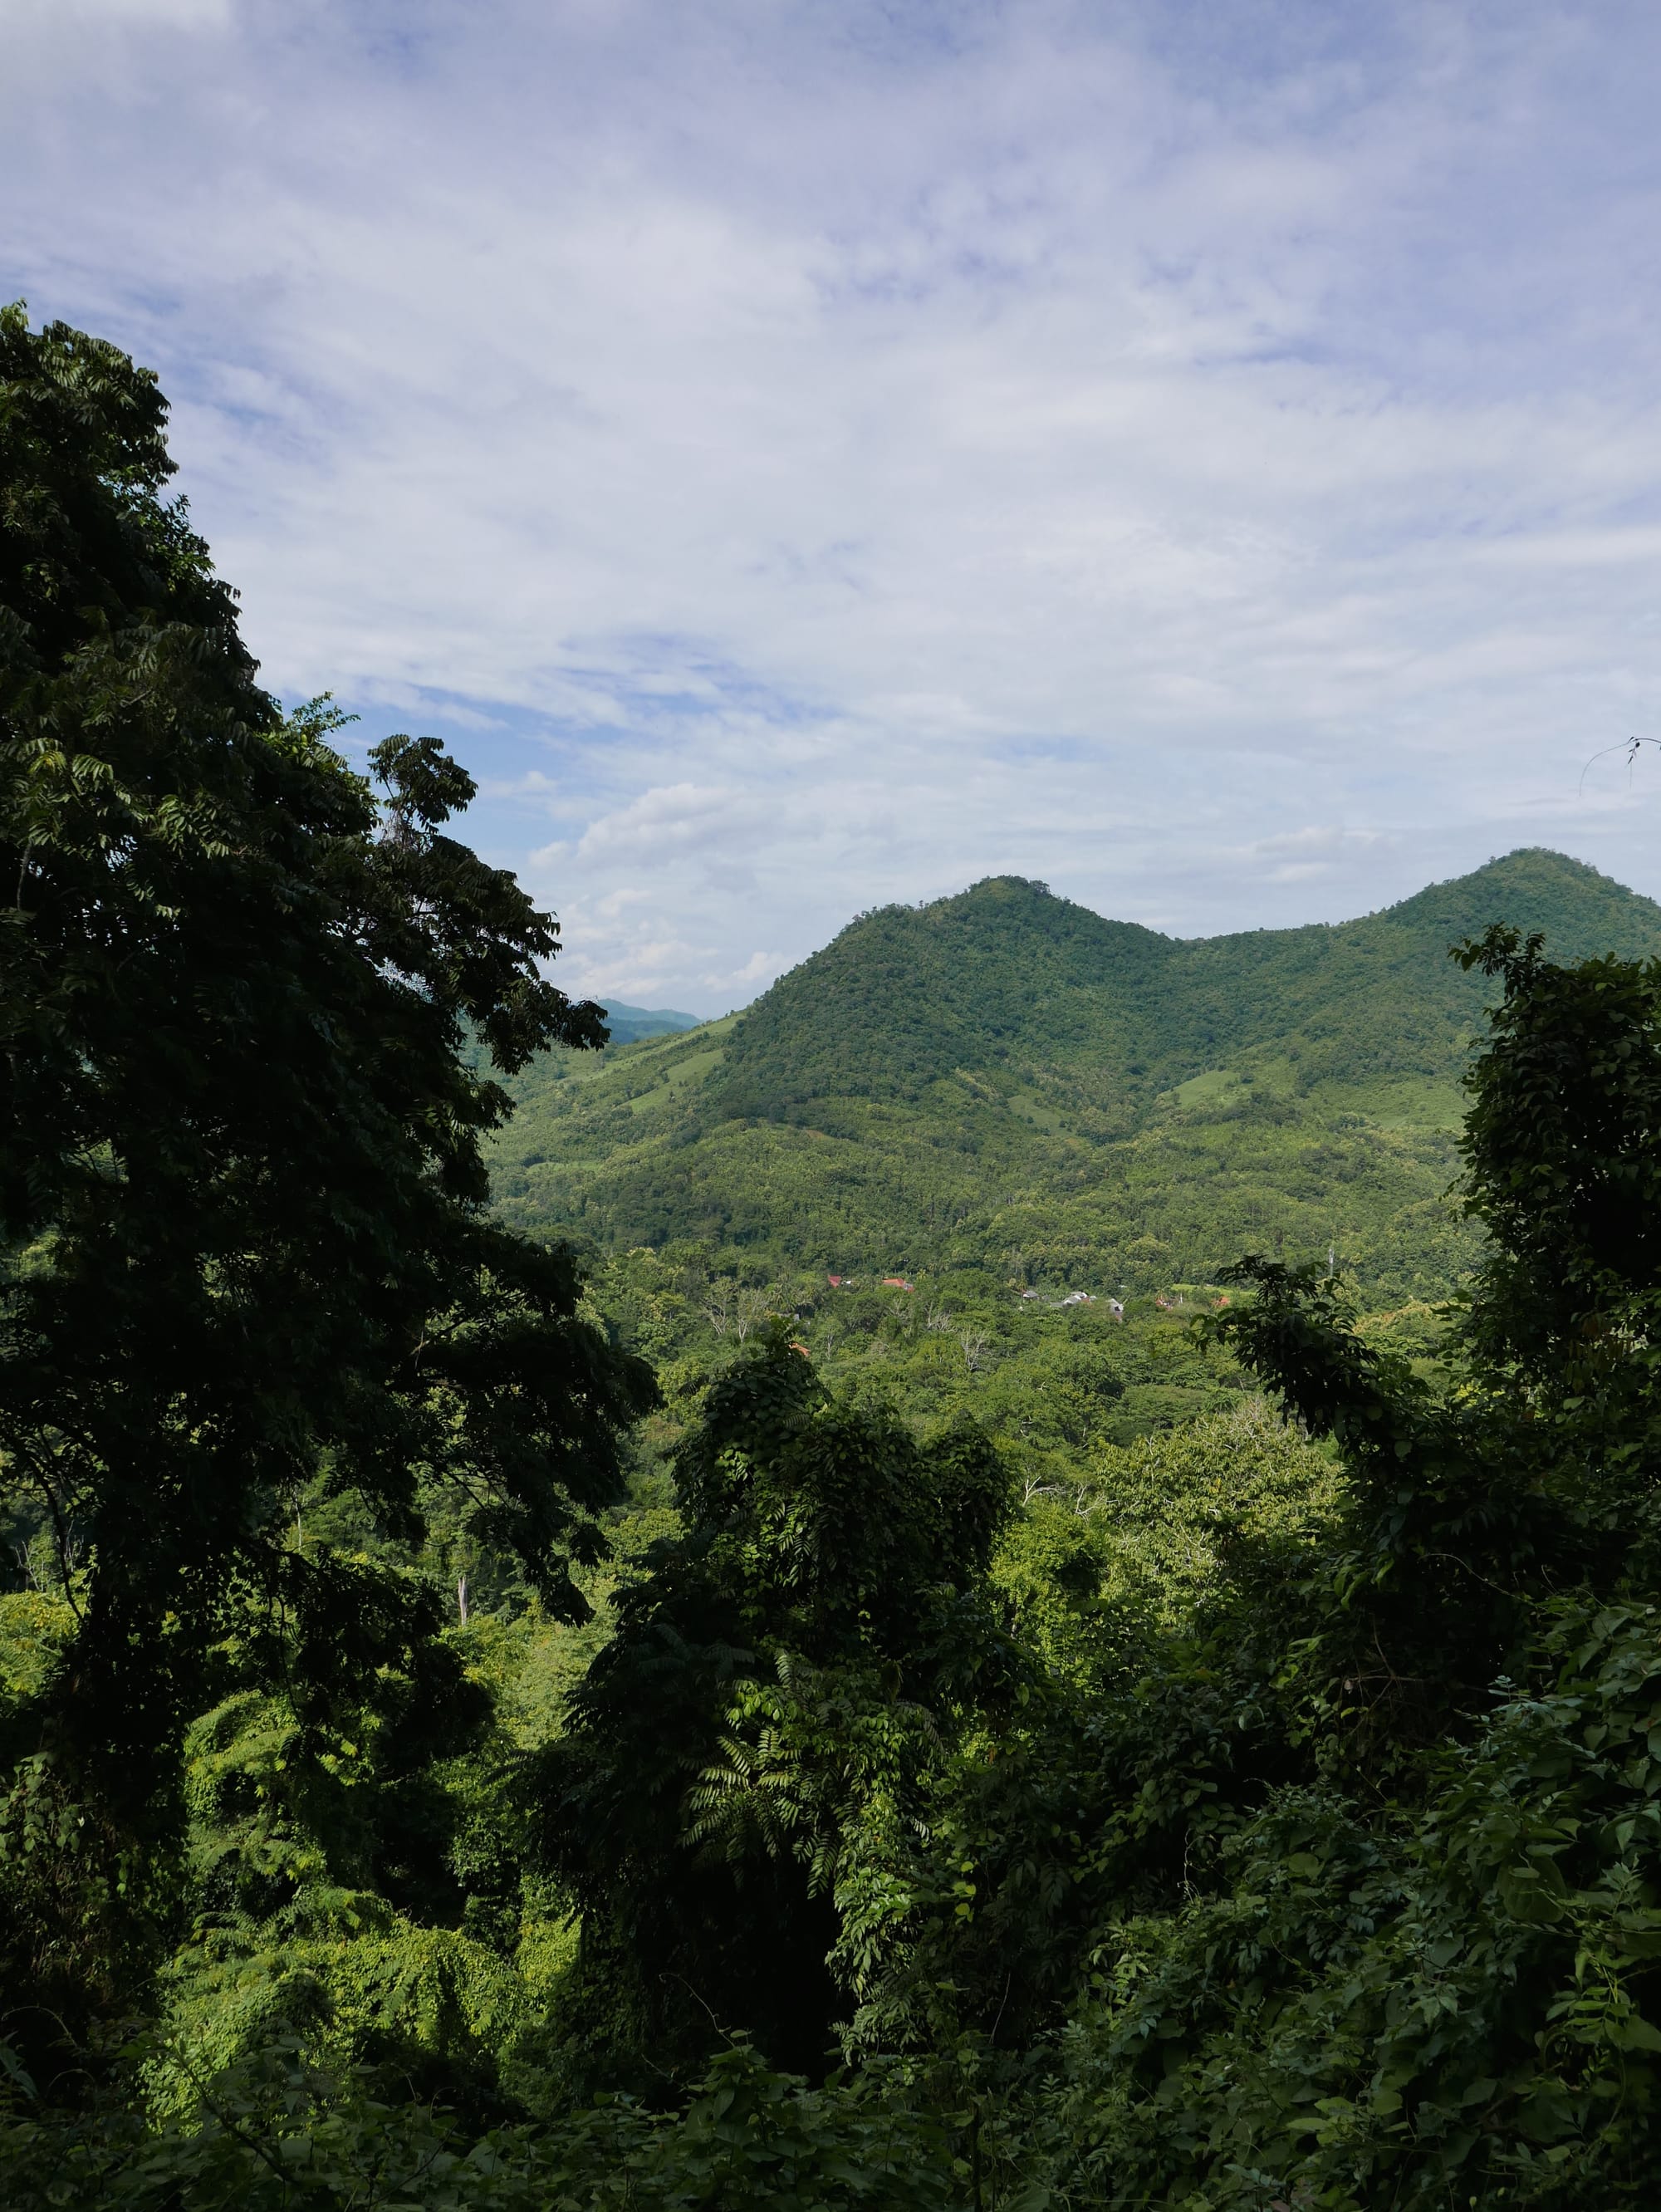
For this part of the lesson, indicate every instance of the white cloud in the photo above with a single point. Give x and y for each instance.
(1323, 838)
(84, 15)
(804, 456)
(760, 968)
(680, 818)
(1303, 856)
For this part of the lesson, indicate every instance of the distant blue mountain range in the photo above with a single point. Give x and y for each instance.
(628, 1024)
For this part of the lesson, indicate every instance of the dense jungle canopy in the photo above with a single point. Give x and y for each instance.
(539, 1697)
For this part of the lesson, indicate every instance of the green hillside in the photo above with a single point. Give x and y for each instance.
(1005, 1080)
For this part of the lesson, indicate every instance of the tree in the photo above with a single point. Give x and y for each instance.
(1538, 1470)
(241, 1187)
(740, 1788)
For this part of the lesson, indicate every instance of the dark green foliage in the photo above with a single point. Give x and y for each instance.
(1540, 1470)
(1559, 1152)
(1442, 2006)
(783, 1679)
(1420, 1966)
(241, 1191)
(277, 2137)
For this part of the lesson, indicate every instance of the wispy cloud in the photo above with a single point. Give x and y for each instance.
(802, 457)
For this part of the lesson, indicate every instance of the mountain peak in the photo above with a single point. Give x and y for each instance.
(1579, 910)
(1006, 1079)
(1008, 887)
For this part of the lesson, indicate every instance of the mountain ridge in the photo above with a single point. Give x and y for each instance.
(630, 1024)
(1006, 1079)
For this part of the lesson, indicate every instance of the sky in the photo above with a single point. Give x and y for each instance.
(804, 454)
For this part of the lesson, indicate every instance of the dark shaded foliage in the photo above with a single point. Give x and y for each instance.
(241, 1191)
(700, 1805)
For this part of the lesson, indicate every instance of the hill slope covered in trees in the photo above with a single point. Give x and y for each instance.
(1005, 1080)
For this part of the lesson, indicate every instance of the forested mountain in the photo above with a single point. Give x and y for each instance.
(1004, 1080)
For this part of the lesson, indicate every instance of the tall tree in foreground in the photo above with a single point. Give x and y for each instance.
(241, 1191)
(745, 1770)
